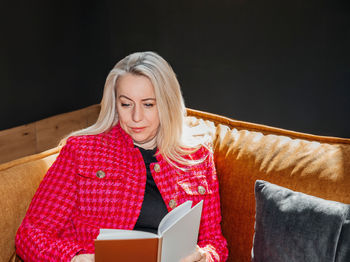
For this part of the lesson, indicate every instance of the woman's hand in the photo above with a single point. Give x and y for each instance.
(84, 258)
(198, 256)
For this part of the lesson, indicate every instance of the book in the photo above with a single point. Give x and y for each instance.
(176, 238)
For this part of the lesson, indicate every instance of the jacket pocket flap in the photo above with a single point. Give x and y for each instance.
(96, 173)
(195, 185)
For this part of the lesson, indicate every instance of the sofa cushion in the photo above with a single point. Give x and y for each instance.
(292, 226)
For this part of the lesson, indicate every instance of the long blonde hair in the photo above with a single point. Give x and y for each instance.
(172, 140)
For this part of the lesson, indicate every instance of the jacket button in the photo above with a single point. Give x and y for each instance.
(201, 190)
(156, 168)
(172, 203)
(100, 174)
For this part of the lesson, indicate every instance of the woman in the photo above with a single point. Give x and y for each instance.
(135, 164)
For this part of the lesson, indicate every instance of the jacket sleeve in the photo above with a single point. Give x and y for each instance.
(40, 236)
(210, 236)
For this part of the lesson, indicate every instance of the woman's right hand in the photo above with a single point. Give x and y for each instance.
(198, 256)
(84, 258)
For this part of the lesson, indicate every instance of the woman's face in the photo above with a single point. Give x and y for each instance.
(137, 107)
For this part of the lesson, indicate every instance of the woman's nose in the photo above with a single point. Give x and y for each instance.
(137, 114)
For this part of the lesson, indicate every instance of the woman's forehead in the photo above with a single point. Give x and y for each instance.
(135, 87)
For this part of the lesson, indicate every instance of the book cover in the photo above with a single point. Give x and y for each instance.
(177, 238)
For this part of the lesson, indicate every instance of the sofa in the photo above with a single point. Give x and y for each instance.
(243, 152)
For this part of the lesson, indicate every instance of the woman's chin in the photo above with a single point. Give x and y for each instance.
(140, 140)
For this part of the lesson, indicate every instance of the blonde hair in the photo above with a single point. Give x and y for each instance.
(174, 140)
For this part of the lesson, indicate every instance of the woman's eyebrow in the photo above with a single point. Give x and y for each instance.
(125, 97)
(145, 99)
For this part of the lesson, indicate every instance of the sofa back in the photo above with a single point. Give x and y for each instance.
(243, 152)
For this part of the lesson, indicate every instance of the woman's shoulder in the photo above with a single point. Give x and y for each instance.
(203, 153)
(205, 150)
(78, 140)
(110, 138)
(81, 141)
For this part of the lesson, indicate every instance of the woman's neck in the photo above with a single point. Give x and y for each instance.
(149, 144)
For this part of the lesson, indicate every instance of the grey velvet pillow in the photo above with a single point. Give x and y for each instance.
(295, 227)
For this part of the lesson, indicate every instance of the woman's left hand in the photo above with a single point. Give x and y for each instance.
(198, 256)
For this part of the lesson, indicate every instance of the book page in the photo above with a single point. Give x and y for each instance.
(171, 218)
(180, 238)
(108, 234)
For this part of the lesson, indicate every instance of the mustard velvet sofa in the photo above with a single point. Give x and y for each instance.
(244, 152)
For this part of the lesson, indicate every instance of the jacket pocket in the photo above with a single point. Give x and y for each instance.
(96, 173)
(98, 181)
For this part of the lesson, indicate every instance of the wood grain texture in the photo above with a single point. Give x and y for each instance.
(17, 142)
(44, 134)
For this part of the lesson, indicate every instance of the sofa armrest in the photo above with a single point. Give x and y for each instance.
(19, 181)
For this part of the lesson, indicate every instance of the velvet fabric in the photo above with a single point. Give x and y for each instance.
(292, 226)
(243, 153)
(19, 181)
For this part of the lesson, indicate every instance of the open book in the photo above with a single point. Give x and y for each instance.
(177, 238)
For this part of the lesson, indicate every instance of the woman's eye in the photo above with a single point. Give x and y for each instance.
(125, 105)
(148, 105)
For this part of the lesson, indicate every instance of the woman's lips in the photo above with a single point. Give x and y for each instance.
(137, 129)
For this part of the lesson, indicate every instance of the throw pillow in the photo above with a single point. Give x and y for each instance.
(292, 226)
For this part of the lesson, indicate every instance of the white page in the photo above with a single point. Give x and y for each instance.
(180, 239)
(108, 234)
(170, 218)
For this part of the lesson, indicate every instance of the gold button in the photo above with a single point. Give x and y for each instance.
(201, 190)
(156, 167)
(100, 174)
(172, 203)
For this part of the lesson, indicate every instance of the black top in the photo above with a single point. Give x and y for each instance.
(153, 207)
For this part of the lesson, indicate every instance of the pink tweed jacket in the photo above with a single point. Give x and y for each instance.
(98, 181)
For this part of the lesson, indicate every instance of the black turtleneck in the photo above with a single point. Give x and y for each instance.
(153, 206)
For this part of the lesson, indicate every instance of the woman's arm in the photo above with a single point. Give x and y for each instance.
(42, 234)
(210, 238)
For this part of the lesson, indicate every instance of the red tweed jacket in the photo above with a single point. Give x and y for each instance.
(98, 181)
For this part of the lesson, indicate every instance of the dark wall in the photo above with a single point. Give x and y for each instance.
(54, 58)
(280, 63)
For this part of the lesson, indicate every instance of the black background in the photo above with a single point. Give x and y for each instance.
(273, 62)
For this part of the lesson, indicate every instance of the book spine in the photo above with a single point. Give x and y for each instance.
(159, 255)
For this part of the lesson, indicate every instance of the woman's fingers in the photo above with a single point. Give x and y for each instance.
(84, 258)
(203, 254)
(198, 256)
